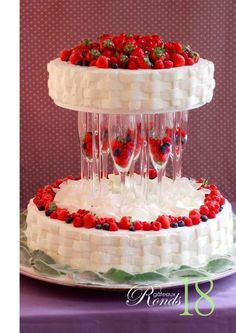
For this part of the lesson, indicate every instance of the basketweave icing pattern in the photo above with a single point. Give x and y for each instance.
(98, 250)
(126, 91)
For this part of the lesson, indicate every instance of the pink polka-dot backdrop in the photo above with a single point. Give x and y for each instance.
(49, 141)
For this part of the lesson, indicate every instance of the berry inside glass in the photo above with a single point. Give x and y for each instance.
(122, 150)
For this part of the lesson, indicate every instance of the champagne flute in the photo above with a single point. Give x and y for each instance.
(180, 138)
(122, 140)
(139, 143)
(159, 144)
(104, 143)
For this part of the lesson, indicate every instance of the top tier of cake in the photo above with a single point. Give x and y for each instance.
(130, 74)
(93, 89)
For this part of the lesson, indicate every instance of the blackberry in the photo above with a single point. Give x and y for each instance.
(98, 226)
(174, 225)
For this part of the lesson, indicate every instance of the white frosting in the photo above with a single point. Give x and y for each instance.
(177, 198)
(134, 252)
(92, 89)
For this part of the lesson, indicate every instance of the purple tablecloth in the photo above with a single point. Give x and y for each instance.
(47, 308)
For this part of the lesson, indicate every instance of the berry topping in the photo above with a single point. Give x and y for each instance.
(164, 221)
(102, 62)
(89, 220)
(188, 222)
(204, 218)
(78, 222)
(181, 223)
(174, 225)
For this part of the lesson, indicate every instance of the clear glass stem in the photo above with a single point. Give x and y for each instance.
(104, 165)
(131, 175)
(122, 188)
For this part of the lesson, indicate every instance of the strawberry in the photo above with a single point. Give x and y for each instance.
(132, 64)
(65, 55)
(164, 221)
(178, 60)
(144, 62)
(75, 57)
(129, 47)
(113, 227)
(195, 219)
(87, 43)
(125, 222)
(158, 53)
(123, 60)
(102, 62)
(189, 62)
(62, 214)
(146, 226)
(195, 56)
(92, 55)
(78, 222)
(108, 53)
(159, 64)
(107, 44)
(138, 225)
(138, 52)
(168, 63)
(89, 220)
(93, 62)
(53, 215)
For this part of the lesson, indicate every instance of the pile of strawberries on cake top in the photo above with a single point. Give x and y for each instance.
(130, 52)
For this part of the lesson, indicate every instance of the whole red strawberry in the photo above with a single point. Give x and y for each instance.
(89, 220)
(125, 222)
(178, 60)
(102, 62)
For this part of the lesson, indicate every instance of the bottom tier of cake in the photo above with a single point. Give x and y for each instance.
(138, 252)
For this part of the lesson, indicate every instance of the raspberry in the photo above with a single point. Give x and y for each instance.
(188, 222)
(124, 222)
(164, 221)
(156, 226)
(113, 227)
(195, 219)
(78, 222)
(204, 210)
(222, 201)
(211, 215)
(89, 220)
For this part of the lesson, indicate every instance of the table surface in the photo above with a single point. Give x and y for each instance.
(48, 308)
